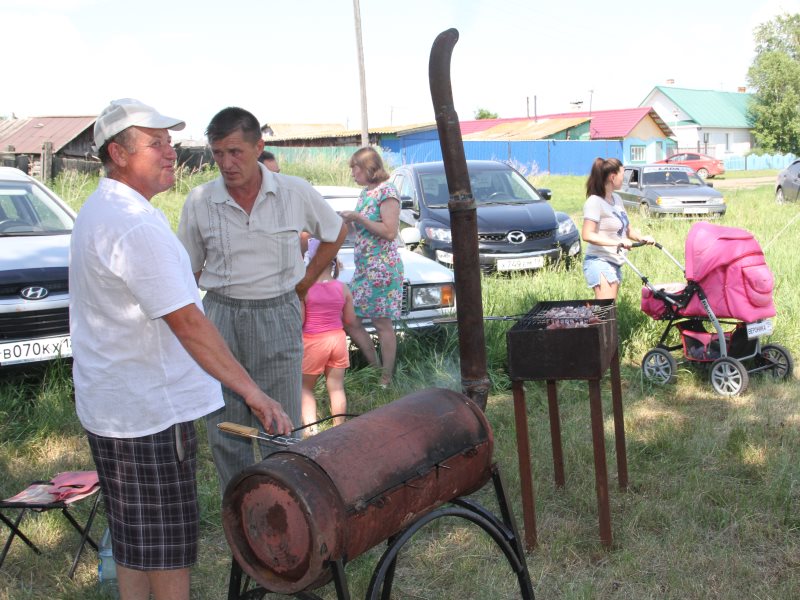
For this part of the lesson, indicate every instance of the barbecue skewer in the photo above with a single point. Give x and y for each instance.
(252, 432)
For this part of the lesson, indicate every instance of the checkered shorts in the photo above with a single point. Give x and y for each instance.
(150, 496)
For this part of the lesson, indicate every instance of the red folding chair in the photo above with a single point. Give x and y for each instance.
(64, 490)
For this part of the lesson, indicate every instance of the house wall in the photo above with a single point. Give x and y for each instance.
(690, 137)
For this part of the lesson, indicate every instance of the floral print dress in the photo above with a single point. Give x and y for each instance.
(377, 283)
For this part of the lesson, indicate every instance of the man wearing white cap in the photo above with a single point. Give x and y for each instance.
(146, 359)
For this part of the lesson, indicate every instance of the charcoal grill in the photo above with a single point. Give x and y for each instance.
(294, 519)
(561, 340)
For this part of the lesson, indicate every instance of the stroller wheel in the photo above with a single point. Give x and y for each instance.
(779, 360)
(659, 366)
(728, 376)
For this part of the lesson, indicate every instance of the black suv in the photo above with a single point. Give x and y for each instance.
(517, 228)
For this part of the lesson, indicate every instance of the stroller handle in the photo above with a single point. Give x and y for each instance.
(639, 245)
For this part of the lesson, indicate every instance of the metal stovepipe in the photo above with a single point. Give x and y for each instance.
(463, 223)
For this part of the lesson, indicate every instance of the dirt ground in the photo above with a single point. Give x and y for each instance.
(749, 182)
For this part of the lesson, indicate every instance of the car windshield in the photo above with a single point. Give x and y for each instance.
(659, 176)
(26, 209)
(489, 186)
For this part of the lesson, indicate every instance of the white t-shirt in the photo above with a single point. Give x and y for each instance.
(255, 256)
(132, 375)
(612, 222)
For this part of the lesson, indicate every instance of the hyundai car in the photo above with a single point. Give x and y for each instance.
(35, 228)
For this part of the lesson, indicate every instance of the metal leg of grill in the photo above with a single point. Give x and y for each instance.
(524, 457)
(555, 433)
(600, 469)
(619, 423)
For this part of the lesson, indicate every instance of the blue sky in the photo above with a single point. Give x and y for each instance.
(294, 61)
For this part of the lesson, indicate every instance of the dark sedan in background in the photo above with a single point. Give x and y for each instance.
(657, 190)
(787, 187)
(35, 228)
(517, 228)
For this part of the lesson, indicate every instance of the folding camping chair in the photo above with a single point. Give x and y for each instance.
(60, 493)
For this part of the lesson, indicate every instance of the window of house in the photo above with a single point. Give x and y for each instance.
(638, 153)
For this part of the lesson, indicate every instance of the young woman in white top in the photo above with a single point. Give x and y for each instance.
(606, 227)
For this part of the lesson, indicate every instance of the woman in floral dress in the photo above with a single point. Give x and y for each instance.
(377, 284)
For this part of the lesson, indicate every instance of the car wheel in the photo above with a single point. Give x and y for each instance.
(703, 172)
(779, 198)
(644, 210)
(728, 376)
(778, 359)
(659, 367)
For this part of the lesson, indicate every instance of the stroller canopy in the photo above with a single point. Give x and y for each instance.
(729, 265)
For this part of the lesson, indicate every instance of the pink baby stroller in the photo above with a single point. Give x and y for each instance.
(728, 284)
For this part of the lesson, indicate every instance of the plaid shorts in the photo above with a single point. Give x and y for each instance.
(150, 495)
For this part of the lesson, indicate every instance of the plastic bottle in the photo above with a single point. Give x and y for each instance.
(107, 567)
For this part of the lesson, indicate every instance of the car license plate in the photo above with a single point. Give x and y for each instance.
(35, 350)
(518, 264)
(695, 211)
(759, 328)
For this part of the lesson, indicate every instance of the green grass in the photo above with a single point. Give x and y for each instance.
(713, 507)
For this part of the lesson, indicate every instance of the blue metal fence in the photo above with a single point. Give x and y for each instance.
(753, 162)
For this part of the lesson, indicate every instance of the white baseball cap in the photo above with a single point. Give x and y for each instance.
(127, 112)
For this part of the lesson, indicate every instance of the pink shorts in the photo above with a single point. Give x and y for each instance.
(326, 350)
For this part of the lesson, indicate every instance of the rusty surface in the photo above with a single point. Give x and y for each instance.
(463, 224)
(537, 353)
(341, 492)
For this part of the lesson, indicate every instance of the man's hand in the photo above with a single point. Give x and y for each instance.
(270, 413)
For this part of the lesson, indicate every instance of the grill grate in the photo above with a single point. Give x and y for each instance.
(40, 323)
(567, 316)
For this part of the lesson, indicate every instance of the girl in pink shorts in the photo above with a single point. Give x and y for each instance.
(328, 306)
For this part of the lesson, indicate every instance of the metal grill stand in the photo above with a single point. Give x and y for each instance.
(585, 353)
(502, 531)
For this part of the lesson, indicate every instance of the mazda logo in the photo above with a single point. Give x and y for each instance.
(34, 293)
(516, 237)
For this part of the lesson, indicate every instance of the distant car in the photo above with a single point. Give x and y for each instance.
(517, 228)
(428, 287)
(660, 189)
(787, 187)
(705, 166)
(35, 229)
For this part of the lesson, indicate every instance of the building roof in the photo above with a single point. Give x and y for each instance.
(710, 108)
(606, 124)
(526, 129)
(28, 135)
(316, 132)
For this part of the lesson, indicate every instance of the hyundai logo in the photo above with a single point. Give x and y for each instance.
(516, 237)
(34, 293)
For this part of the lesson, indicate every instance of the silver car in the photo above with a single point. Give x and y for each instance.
(35, 228)
(428, 288)
(660, 190)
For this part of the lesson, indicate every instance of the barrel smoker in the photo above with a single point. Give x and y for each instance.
(295, 519)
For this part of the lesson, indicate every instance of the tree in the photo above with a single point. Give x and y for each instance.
(775, 75)
(482, 113)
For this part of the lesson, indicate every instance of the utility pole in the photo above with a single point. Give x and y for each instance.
(361, 75)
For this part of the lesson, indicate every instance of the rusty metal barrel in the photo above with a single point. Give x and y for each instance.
(341, 492)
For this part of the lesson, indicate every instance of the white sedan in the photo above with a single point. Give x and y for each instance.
(428, 288)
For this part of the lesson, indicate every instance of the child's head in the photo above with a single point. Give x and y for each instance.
(335, 266)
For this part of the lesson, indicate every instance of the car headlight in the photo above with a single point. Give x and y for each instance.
(662, 201)
(566, 227)
(432, 296)
(716, 201)
(439, 234)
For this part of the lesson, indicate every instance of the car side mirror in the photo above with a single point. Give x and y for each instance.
(545, 193)
(410, 236)
(406, 202)
(709, 184)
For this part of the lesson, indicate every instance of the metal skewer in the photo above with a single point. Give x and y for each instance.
(252, 432)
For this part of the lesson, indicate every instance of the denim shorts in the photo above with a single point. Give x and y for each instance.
(595, 266)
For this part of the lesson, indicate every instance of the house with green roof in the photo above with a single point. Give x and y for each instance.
(706, 121)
